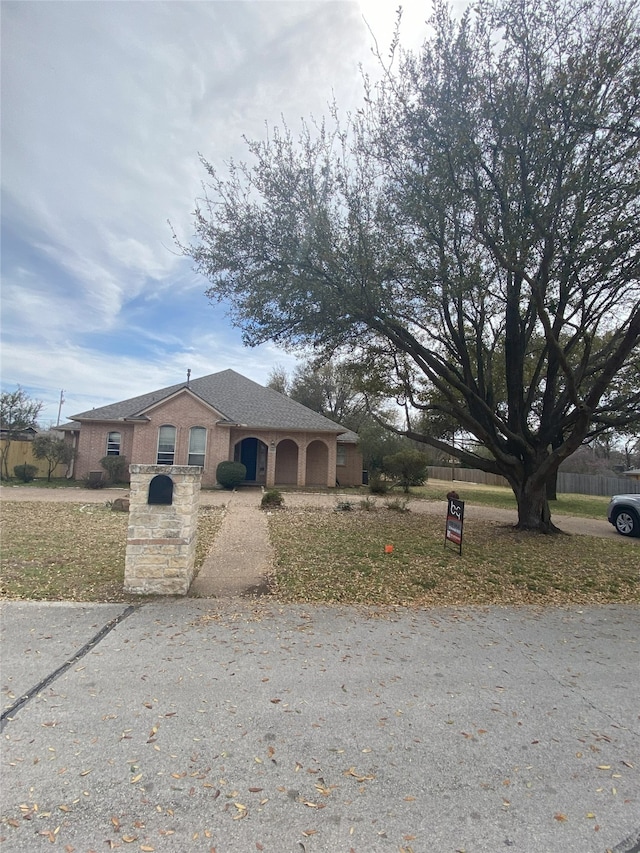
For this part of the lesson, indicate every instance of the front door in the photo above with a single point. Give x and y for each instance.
(253, 454)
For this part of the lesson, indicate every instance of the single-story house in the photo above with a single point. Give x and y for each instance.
(26, 434)
(217, 418)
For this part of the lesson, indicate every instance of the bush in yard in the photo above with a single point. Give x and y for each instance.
(25, 472)
(272, 499)
(93, 482)
(368, 504)
(377, 484)
(231, 474)
(115, 467)
(409, 467)
(398, 505)
(344, 506)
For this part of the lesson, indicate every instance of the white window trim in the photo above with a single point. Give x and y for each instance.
(165, 452)
(204, 452)
(112, 444)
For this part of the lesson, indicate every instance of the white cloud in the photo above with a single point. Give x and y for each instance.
(105, 108)
(98, 379)
(105, 125)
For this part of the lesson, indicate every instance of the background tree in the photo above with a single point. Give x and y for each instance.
(331, 388)
(471, 234)
(18, 412)
(632, 452)
(376, 443)
(408, 466)
(278, 380)
(55, 450)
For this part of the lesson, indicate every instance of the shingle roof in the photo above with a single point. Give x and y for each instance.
(238, 399)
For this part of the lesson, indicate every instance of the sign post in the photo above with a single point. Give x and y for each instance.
(455, 523)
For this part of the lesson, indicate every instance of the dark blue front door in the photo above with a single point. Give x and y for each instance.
(249, 456)
(253, 454)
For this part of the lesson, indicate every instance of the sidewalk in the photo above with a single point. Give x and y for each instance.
(241, 556)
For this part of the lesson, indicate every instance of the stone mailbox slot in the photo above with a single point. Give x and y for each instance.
(161, 490)
(164, 501)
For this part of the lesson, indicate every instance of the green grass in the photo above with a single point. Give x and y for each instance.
(73, 552)
(42, 483)
(584, 506)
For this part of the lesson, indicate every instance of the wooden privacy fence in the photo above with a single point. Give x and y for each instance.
(596, 484)
(21, 452)
(580, 484)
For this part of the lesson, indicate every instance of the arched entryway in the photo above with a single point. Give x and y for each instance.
(287, 463)
(317, 464)
(253, 454)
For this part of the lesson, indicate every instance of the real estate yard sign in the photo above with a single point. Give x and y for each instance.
(455, 522)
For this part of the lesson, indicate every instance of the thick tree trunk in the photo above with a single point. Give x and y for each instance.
(533, 507)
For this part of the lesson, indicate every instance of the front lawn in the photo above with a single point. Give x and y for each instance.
(340, 557)
(584, 506)
(73, 552)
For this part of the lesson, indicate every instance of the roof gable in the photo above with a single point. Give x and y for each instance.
(182, 390)
(237, 399)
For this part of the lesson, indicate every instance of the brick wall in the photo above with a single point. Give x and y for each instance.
(286, 473)
(140, 439)
(350, 474)
(92, 446)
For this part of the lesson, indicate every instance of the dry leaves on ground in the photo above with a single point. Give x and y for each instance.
(341, 557)
(73, 552)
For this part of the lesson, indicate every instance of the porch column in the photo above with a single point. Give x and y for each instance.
(331, 462)
(271, 464)
(302, 463)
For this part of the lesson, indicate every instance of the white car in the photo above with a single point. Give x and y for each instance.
(624, 514)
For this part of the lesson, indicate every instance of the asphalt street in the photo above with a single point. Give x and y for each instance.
(244, 725)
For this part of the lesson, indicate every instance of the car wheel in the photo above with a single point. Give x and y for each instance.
(626, 522)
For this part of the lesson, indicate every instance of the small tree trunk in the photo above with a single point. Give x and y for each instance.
(4, 457)
(552, 487)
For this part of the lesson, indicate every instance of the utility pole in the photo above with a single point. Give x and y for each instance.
(60, 406)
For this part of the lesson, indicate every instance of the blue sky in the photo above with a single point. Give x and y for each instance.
(105, 106)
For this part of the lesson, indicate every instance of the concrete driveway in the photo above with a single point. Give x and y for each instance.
(239, 726)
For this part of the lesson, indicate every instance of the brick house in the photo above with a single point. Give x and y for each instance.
(216, 418)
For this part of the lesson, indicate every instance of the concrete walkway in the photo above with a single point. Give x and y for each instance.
(242, 555)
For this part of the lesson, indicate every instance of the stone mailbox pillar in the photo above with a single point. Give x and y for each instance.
(163, 520)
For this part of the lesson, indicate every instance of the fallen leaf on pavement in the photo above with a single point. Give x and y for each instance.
(357, 776)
